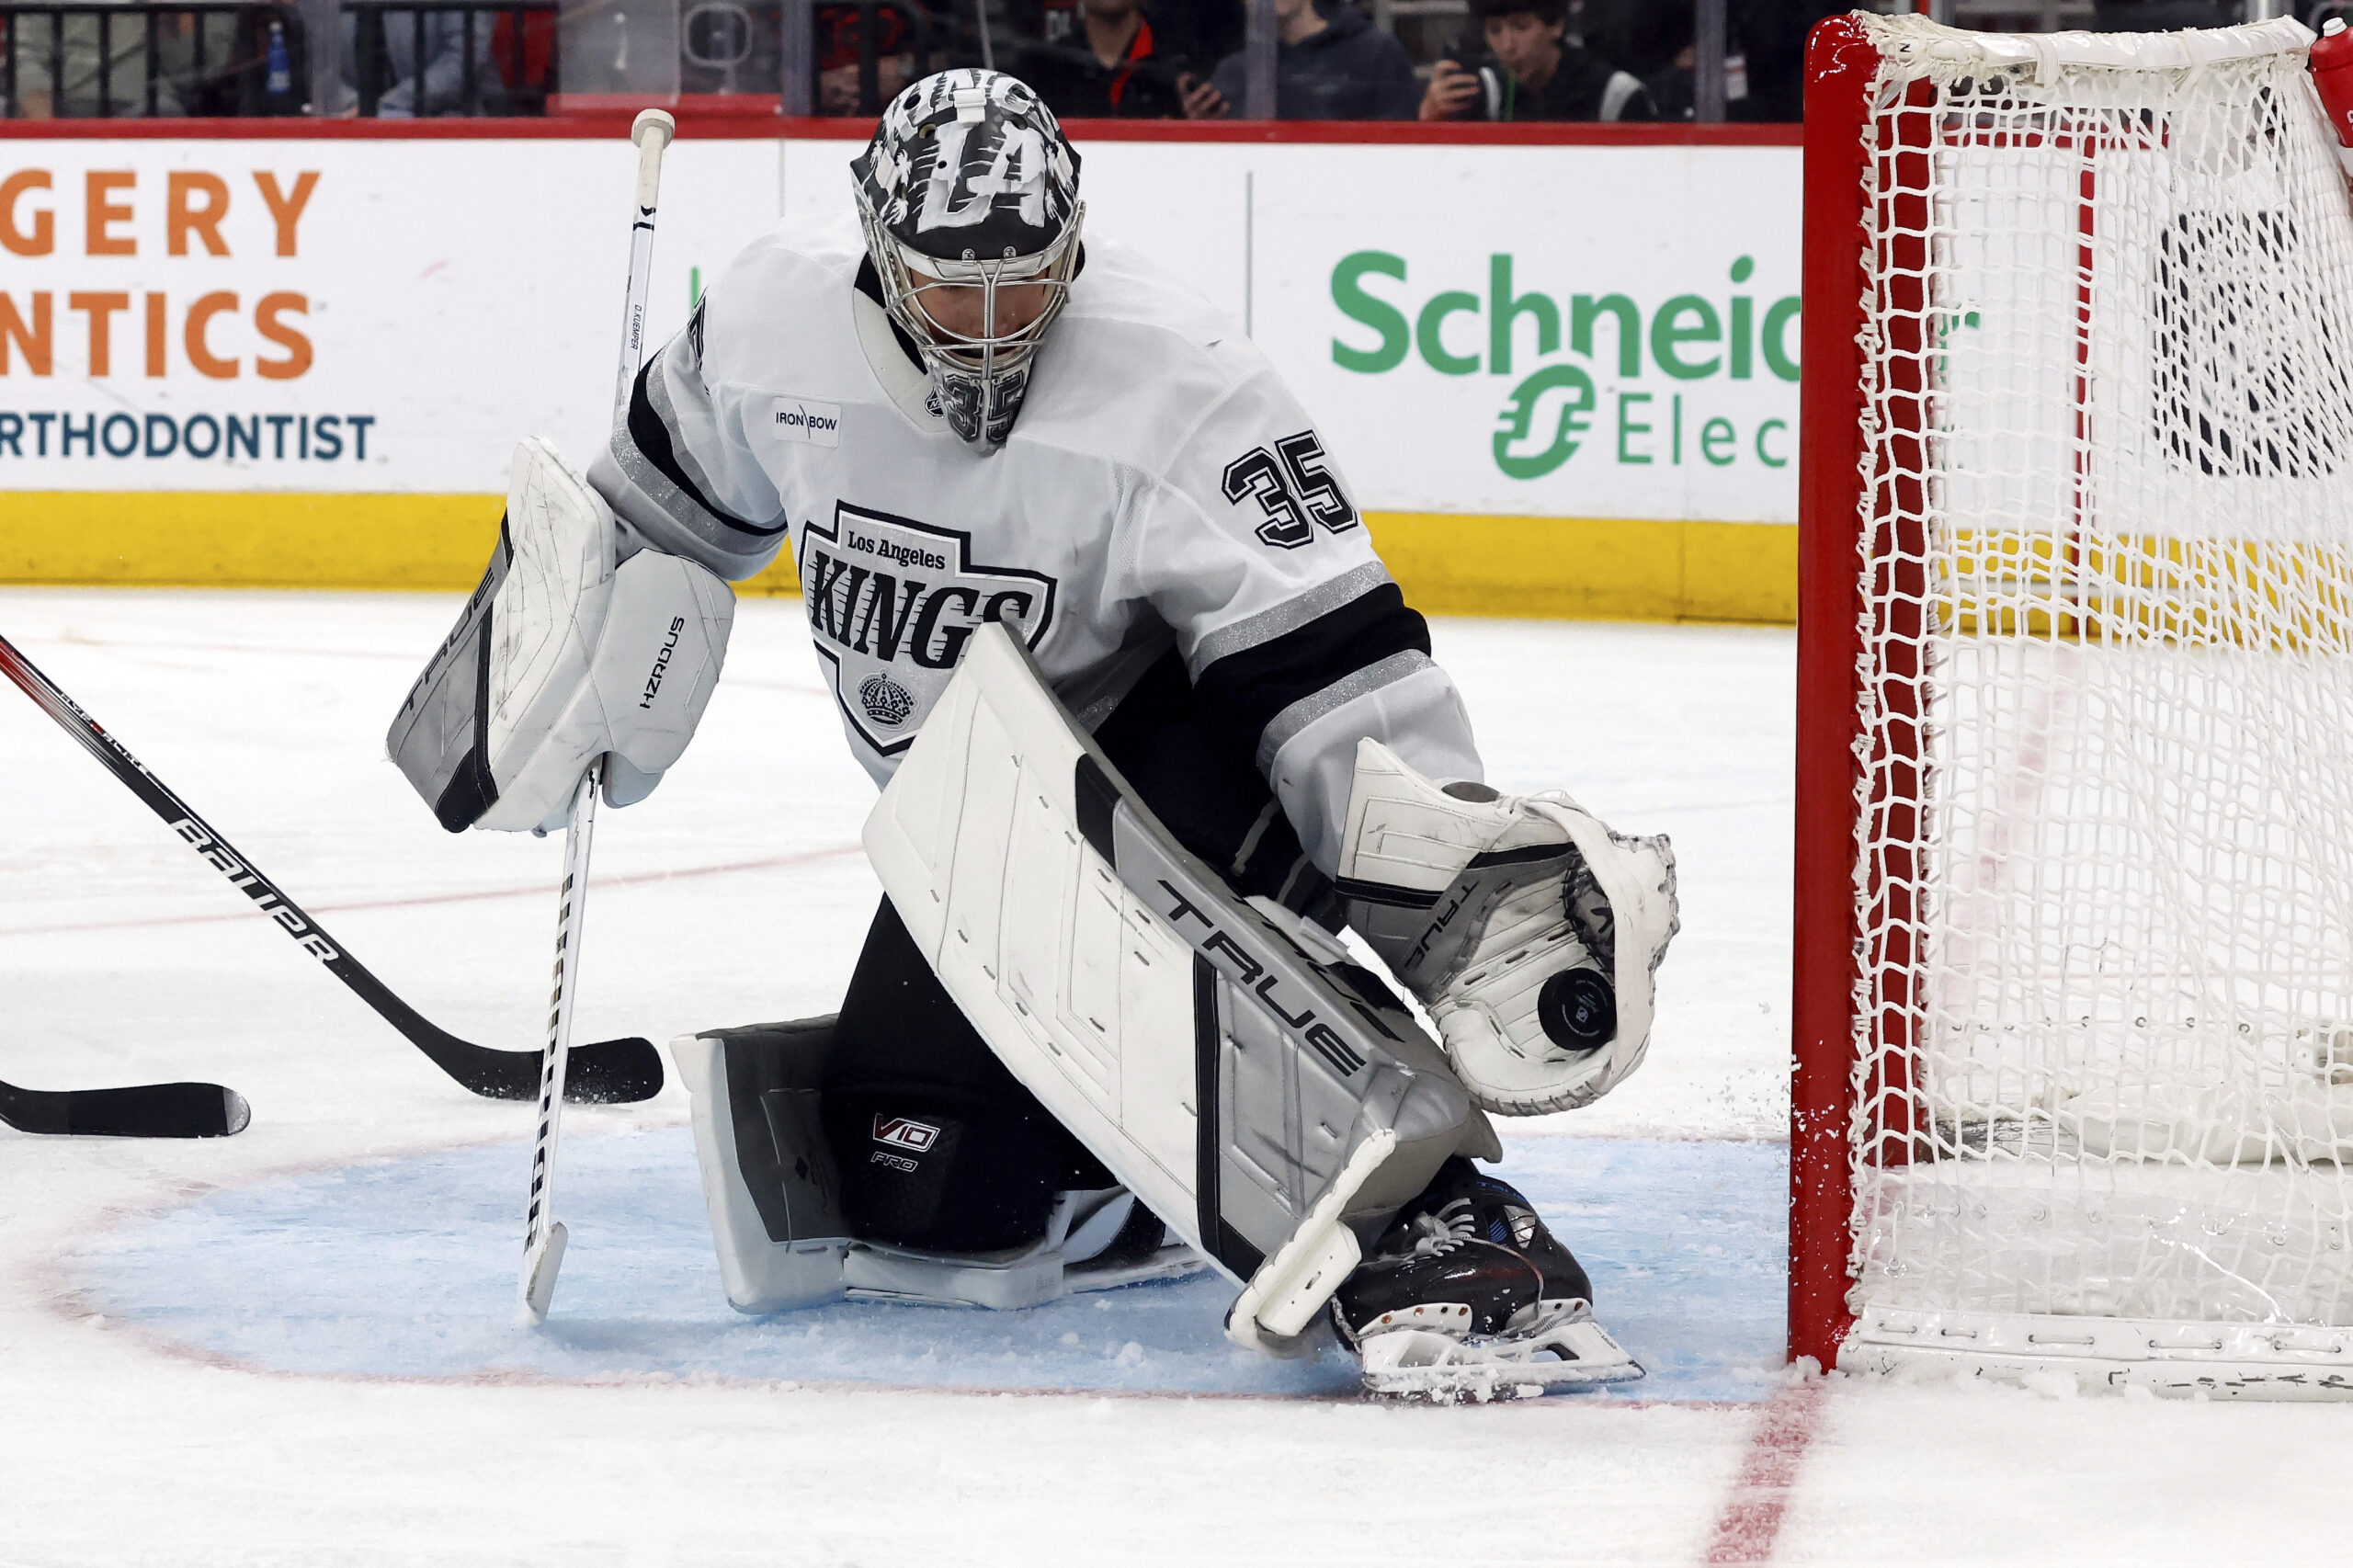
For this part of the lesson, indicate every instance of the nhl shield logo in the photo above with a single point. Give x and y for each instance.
(893, 604)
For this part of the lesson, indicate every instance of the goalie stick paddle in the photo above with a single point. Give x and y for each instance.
(609, 1072)
(136, 1110)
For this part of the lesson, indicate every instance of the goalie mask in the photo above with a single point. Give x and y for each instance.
(969, 196)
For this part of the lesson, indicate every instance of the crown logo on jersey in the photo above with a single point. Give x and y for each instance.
(886, 700)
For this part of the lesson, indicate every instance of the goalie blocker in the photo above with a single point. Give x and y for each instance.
(1269, 1100)
(564, 653)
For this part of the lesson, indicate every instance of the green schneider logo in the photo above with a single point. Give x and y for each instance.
(1689, 339)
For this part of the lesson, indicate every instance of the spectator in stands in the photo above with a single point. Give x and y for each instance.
(76, 94)
(1117, 70)
(387, 49)
(839, 30)
(1331, 62)
(1656, 40)
(1196, 31)
(1772, 39)
(248, 62)
(1530, 71)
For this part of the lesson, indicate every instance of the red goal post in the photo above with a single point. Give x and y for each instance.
(2073, 998)
(1840, 63)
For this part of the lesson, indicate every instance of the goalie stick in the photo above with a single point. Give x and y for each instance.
(543, 1234)
(135, 1110)
(608, 1072)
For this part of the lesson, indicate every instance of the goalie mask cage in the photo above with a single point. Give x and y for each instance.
(2074, 1005)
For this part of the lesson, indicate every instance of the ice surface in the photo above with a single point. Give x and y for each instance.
(736, 894)
(406, 1267)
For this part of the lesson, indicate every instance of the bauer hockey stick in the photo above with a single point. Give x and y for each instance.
(543, 1234)
(611, 1071)
(135, 1110)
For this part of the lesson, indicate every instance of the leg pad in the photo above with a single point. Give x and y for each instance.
(770, 1180)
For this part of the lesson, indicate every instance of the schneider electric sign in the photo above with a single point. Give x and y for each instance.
(1591, 353)
(1573, 331)
(1590, 332)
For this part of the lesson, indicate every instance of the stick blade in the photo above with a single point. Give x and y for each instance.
(612, 1072)
(136, 1110)
(606, 1071)
(540, 1266)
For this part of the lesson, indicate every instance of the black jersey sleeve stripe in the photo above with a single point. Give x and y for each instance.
(650, 434)
(1248, 690)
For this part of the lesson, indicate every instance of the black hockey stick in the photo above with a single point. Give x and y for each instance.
(608, 1072)
(138, 1111)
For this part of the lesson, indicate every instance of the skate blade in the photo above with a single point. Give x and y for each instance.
(1417, 1364)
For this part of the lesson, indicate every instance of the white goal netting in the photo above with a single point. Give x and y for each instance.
(2104, 996)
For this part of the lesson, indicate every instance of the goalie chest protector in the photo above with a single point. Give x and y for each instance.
(1130, 510)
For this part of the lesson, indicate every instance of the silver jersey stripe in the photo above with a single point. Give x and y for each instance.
(698, 535)
(665, 409)
(730, 548)
(1287, 616)
(1288, 723)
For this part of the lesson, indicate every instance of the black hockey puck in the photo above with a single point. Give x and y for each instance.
(1577, 1010)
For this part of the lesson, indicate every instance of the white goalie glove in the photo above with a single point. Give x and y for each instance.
(564, 654)
(1530, 931)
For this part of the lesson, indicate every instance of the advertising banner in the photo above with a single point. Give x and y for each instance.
(329, 315)
(1501, 331)
(1573, 332)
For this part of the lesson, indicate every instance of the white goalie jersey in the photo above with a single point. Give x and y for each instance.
(1161, 489)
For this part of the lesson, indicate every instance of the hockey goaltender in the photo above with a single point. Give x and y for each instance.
(1152, 723)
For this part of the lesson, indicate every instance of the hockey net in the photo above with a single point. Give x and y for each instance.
(2075, 1084)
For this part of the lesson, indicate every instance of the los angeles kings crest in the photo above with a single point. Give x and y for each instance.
(893, 604)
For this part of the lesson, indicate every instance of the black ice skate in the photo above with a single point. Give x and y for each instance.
(1468, 1295)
